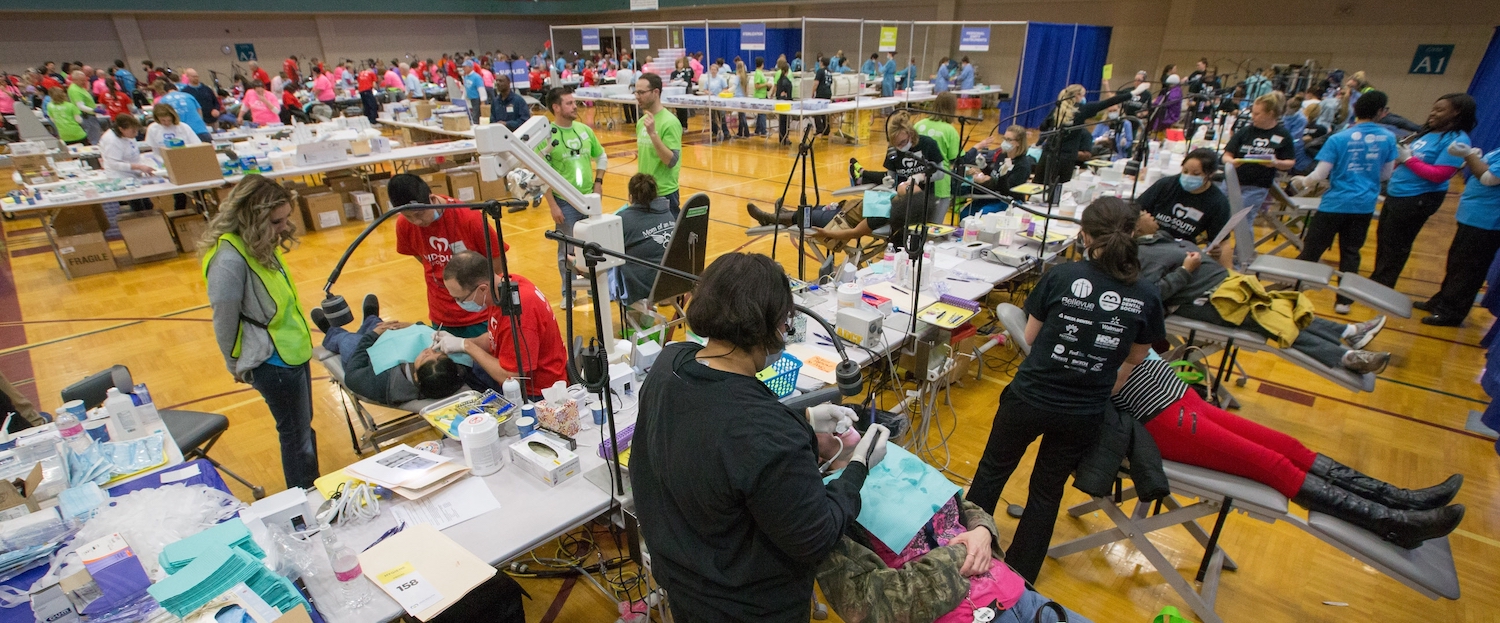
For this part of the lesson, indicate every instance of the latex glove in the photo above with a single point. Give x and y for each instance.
(1300, 185)
(831, 418)
(871, 447)
(447, 342)
(1463, 150)
(1141, 88)
(1006, 166)
(1403, 153)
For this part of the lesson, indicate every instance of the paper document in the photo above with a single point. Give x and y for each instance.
(424, 554)
(459, 502)
(402, 465)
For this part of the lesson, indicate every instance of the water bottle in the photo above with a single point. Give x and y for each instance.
(903, 267)
(353, 594)
(121, 410)
(72, 431)
(890, 255)
(971, 230)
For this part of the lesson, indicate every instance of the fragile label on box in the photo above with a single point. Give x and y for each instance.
(328, 219)
(466, 194)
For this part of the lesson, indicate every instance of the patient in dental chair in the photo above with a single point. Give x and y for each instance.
(952, 571)
(1189, 430)
(1187, 284)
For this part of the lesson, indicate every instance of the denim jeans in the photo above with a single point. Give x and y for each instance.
(343, 342)
(1026, 609)
(1244, 232)
(288, 394)
(571, 217)
(674, 202)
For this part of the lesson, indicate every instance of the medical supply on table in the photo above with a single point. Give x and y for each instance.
(545, 458)
(287, 509)
(352, 502)
(643, 355)
(97, 428)
(121, 410)
(52, 605)
(218, 569)
(116, 569)
(849, 295)
(781, 376)
(353, 593)
(232, 533)
(597, 410)
(139, 518)
(625, 435)
(447, 414)
(38, 445)
(38, 528)
(558, 411)
(971, 229)
(82, 502)
(405, 468)
(146, 415)
(526, 425)
(89, 466)
(480, 436)
(512, 391)
(136, 455)
(972, 250)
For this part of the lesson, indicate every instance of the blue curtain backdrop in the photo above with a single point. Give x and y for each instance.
(725, 43)
(1056, 56)
(1486, 90)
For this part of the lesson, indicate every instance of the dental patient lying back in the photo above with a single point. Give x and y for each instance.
(952, 571)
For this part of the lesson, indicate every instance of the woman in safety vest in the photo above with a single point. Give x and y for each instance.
(258, 320)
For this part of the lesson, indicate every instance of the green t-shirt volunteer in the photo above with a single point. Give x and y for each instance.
(64, 117)
(82, 99)
(942, 133)
(575, 155)
(670, 130)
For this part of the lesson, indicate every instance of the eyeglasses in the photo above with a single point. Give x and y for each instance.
(640, 92)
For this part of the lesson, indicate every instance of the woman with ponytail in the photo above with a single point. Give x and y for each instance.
(1090, 323)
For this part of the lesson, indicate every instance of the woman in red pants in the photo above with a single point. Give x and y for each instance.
(1192, 431)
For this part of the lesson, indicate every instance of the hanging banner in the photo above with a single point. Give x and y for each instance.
(591, 38)
(752, 36)
(643, 5)
(974, 39)
(639, 40)
(888, 38)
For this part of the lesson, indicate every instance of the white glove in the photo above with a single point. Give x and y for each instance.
(1141, 88)
(447, 342)
(1006, 166)
(1403, 153)
(871, 447)
(1301, 186)
(831, 418)
(1463, 150)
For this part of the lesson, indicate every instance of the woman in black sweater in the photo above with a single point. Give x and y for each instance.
(1072, 142)
(1006, 165)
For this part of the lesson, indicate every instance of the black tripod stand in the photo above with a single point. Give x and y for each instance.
(806, 159)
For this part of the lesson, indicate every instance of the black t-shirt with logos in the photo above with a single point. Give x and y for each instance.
(1183, 214)
(903, 165)
(1090, 320)
(1253, 142)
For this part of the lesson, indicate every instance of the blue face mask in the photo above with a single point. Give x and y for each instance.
(1035, 152)
(470, 306)
(1190, 183)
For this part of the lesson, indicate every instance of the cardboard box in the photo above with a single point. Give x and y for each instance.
(493, 190)
(189, 227)
(464, 185)
(12, 503)
(86, 254)
(193, 163)
(346, 186)
(456, 122)
(360, 147)
(363, 208)
(147, 235)
(382, 191)
(437, 181)
(484, 111)
(423, 109)
(89, 219)
(552, 463)
(29, 166)
(322, 210)
(322, 152)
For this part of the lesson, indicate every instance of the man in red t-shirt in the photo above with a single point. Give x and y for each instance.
(292, 69)
(367, 100)
(259, 74)
(544, 358)
(433, 237)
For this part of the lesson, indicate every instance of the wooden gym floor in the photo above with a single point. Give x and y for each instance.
(154, 319)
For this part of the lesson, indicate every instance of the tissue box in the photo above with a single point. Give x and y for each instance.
(972, 250)
(544, 458)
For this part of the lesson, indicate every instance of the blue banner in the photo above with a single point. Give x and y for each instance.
(974, 39)
(752, 36)
(591, 38)
(639, 40)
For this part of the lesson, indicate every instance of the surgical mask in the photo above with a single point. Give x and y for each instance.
(1007, 146)
(1173, 80)
(470, 306)
(1190, 183)
(1035, 152)
(1114, 114)
(1082, 100)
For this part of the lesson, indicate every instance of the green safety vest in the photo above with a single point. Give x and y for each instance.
(288, 328)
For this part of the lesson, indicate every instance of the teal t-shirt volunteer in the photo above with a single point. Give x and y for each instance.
(1431, 149)
(1358, 154)
(1480, 205)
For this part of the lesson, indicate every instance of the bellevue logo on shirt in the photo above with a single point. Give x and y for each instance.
(1082, 288)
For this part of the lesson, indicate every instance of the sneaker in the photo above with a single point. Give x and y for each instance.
(371, 306)
(1362, 333)
(319, 320)
(1365, 362)
(855, 171)
(1342, 308)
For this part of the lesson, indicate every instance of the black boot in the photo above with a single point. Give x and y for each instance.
(787, 217)
(1406, 529)
(1386, 493)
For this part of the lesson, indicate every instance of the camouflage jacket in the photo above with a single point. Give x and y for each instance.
(860, 588)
